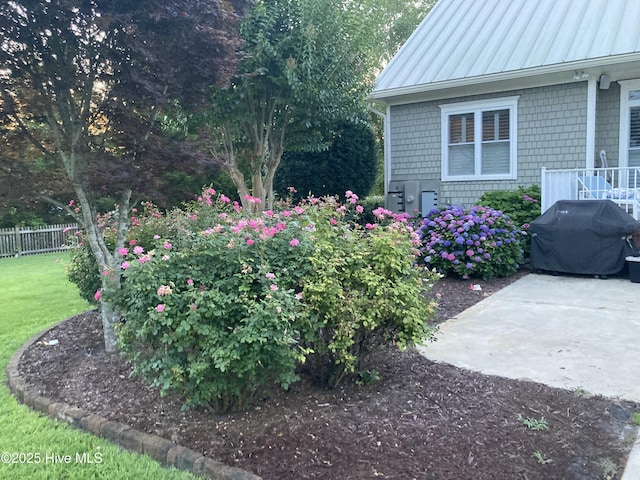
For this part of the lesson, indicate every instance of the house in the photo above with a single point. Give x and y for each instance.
(491, 94)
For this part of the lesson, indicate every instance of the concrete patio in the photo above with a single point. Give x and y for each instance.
(570, 332)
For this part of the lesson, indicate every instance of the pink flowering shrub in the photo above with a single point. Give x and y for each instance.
(238, 303)
(482, 242)
(144, 226)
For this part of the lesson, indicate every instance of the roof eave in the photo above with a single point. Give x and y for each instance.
(502, 81)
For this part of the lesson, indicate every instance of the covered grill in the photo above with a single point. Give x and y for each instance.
(584, 237)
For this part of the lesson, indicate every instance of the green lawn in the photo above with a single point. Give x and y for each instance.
(34, 293)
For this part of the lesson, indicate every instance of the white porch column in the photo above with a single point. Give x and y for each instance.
(592, 86)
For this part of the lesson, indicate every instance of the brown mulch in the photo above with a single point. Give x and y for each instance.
(420, 420)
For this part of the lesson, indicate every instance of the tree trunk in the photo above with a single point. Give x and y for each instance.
(109, 318)
(108, 262)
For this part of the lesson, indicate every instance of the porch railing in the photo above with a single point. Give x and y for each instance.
(618, 184)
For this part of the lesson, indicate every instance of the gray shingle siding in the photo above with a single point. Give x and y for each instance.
(608, 123)
(552, 132)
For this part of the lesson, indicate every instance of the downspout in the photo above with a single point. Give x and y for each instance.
(591, 123)
(387, 146)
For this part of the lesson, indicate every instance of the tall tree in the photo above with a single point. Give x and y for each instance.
(305, 66)
(298, 68)
(97, 74)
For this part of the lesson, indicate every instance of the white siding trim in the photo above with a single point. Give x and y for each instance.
(387, 150)
(625, 88)
(591, 123)
(623, 148)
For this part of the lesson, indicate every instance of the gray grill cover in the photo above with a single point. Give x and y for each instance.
(582, 236)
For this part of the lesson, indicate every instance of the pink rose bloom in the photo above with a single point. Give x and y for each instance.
(359, 209)
(160, 307)
(189, 281)
(138, 250)
(167, 246)
(294, 242)
(97, 295)
(123, 251)
(125, 265)
(250, 241)
(273, 287)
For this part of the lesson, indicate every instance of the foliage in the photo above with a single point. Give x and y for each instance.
(540, 458)
(533, 423)
(85, 82)
(305, 65)
(521, 205)
(35, 296)
(482, 242)
(370, 204)
(348, 164)
(83, 271)
(228, 305)
(365, 291)
(395, 22)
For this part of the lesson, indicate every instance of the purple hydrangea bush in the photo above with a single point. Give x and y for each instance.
(482, 242)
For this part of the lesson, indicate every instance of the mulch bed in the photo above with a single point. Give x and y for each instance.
(420, 420)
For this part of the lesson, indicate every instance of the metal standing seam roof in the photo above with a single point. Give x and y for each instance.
(468, 40)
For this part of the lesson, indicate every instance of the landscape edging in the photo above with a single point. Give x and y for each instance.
(165, 452)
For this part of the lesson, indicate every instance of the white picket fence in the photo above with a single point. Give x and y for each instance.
(26, 241)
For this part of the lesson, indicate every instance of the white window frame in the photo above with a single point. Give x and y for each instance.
(477, 108)
(625, 119)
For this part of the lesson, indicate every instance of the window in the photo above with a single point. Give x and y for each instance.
(629, 149)
(479, 140)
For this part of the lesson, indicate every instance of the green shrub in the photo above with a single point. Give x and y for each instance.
(82, 270)
(521, 205)
(218, 323)
(370, 203)
(234, 305)
(365, 292)
(482, 242)
(349, 163)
